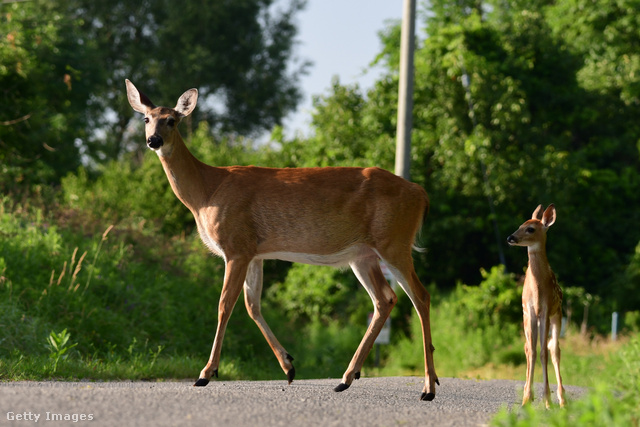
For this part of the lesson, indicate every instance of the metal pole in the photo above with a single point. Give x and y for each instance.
(405, 90)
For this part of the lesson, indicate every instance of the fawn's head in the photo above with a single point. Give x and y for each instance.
(533, 233)
(161, 123)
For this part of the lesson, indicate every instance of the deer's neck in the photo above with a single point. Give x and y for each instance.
(185, 174)
(539, 270)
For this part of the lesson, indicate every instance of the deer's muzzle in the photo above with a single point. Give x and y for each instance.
(155, 142)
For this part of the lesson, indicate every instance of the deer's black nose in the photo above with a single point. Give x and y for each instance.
(512, 239)
(155, 142)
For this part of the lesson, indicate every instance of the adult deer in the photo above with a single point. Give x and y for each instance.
(323, 216)
(541, 301)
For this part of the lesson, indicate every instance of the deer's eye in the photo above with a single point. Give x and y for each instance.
(530, 230)
(146, 119)
(171, 121)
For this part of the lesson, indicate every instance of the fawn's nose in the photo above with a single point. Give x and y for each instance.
(512, 240)
(155, 142)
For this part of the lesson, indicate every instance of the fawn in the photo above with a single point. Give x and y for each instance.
(541, 301)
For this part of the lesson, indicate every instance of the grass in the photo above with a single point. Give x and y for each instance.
(583, 362)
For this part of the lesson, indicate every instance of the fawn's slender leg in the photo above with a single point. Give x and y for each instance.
(234, 276)
(544, 356)
(370, 275)
(554, 349)
(252, 297)
(531, 337)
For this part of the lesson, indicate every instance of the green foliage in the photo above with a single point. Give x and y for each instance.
(471, 327)
(320, 293)
(108, 302)
(513, 106)
(124, 193)
(64, 63)
(496, 301)
(45, 105)
(58, 345)
(324, 349)
(626, 287)
(248, 77)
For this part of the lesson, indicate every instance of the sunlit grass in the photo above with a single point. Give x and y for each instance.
(583, 362)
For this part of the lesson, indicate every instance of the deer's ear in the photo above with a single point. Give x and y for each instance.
(537, 214)
(549, 216)
(138, 100)
(187, 102)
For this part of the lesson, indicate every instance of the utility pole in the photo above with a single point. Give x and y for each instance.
(405, 90)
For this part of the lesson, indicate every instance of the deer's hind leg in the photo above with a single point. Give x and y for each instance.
(403, 271)
(252, 297)
(368, 272)
(554, 349)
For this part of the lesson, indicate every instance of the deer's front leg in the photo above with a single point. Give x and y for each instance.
(252, 297)
(530, 337)
(234, 276)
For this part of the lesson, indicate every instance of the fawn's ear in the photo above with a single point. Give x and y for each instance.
(537, 214)
(187, 102)
(549, 216)
(138, 100)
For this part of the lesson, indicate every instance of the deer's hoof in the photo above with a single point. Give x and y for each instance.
(291, 374)
(341, 387)
(428, 396)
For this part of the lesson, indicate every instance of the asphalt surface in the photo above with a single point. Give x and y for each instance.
(369, 402)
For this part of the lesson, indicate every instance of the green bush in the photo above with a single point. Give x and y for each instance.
(471, 327)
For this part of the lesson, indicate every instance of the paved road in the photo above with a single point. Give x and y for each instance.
(369, 402)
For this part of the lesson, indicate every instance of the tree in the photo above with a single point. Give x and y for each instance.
(47, 74)
(238, 54)
(505, 118)
(64, 63)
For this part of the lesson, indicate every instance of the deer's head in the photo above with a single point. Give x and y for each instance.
(533, 232)
(161, 123)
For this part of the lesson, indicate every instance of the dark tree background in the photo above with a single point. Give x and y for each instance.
(64, 63)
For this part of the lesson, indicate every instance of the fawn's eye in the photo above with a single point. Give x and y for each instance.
(171, 121)
(146, 119)
(530, 230)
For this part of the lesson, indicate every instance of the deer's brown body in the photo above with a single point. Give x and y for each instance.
(325, 216)
(541, 302)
